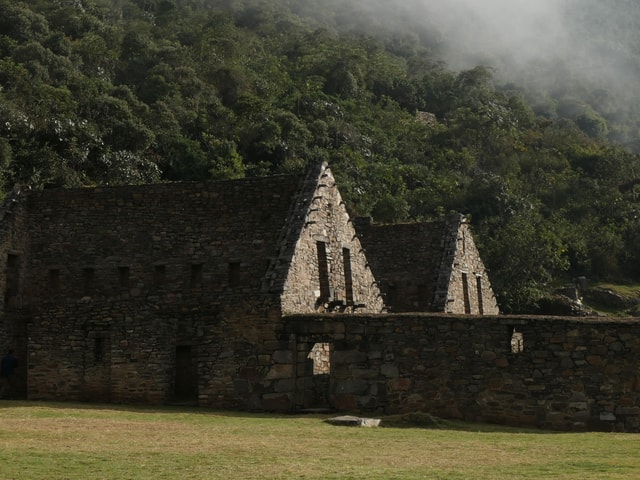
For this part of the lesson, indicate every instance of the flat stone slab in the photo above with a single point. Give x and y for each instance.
(352, 421)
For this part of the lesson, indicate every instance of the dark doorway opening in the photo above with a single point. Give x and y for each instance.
(96, 385)
(315, 377)
(186, 375)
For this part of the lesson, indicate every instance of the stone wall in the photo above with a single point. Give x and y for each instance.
(172, 293)
(151, 293)
(405, 260)
(432, 266)
(566, 374)
(13, 247)
(154, 240)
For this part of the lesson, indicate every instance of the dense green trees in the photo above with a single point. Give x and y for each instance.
(135, 91)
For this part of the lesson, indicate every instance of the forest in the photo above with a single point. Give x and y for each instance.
(109, 92)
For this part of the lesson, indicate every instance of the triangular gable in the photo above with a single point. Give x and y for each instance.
(420, 266)
(328, 270)
(463, 282)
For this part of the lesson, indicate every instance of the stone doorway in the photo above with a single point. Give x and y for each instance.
(185, 379)
(96, 385)
(314, 376)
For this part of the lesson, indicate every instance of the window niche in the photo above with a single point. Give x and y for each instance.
(423, 296)
(98, 349)
(348, 276)
(480, 296)
(391, 299)
(159, 274)
(12, 281)
(517, 341)
(88, 280)
(234, 274)
(195, 279)
(123, 276)
(465, 293)
(323, 272)
(54, 280)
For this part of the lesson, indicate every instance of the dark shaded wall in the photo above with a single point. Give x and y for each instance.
(571, 374)
(14, 313)
(131, 291)
(173, 292)
(422, 267)
(405, 260)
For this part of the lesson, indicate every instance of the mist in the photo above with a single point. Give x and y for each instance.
(515, 31)
(545, 44)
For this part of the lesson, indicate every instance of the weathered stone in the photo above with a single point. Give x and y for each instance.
(607, 417)
(276, 402)
(279, 371)
(501, 362)
(187, 290)
(345, 402)
(349, 357)
(400, 384)
(352, 421)
(283, 356)
(389, 370)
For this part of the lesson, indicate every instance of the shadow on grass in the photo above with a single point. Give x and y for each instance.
(414, 420)
(427, 421)
(128, 408)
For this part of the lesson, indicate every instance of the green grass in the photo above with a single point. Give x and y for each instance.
(72, 441)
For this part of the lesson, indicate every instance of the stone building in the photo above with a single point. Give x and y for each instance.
(432, 266)
(179, 292)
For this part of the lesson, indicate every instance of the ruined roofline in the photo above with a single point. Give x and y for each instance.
(156, 185)
(296, 217)
(451, 217)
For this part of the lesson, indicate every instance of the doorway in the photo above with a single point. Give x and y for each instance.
(316, 377)
(185, 379)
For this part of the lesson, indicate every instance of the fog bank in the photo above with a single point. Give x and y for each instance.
(537, 42)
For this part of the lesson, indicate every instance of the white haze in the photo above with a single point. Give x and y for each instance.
(516, 31)
(536, 42)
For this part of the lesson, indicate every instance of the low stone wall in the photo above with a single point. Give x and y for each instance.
(555, 373)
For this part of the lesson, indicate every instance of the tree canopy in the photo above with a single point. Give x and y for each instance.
(137, 91)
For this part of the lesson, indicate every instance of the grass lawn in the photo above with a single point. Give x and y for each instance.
(86, 441)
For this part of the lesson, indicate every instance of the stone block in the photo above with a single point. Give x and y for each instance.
(283, 356)
(349, 357)
(607, 417)
(352, 421)
(276, 402)
(279, 371)
(355, 386)
(399, 384)
(344, 402)
(501, 362)
(287, 385)
(390, 370)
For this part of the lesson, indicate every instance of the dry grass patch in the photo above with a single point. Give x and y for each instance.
(65, 441)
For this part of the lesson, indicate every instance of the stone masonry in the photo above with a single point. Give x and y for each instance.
(174, 292)
(568, 374)
(431, 266)
(260, 294)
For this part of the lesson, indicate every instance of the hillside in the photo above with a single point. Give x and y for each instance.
(137, 91)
